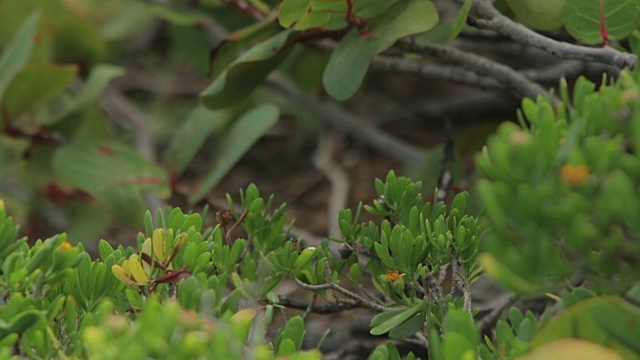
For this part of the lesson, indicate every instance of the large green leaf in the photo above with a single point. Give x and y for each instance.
(238, 42)
(114, 174)
(582, 18)
(36, 84)
(460, 321)
(190, 137)
(608, 321)
(571, 349)
(506, 277)
(328, 14)
(16, 54)
(307, 14)
(239, 79)
(236, 142)
(96, 168)
(349, 62)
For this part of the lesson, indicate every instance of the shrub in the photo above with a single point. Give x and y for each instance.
(560, 200)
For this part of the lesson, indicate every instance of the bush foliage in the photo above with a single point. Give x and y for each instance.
(558, 193)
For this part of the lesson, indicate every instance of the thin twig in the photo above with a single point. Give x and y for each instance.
(295, 231)
(348, 123)
(311, 304)
(489, 321)
(322, 309)
(351, 295)
(323, 160)
(492, 19)
(446, 175)
(238, 222)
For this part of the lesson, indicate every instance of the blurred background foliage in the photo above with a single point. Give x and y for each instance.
(110, 108)
(77, 152)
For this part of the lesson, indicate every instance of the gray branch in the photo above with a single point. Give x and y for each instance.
(492, 19)
(480, 65)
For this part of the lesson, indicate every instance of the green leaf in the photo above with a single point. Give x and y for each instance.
(194, 220)
(461, 202)
(237, 43)
(104, 249)
(506, 277)
(539, 14)
(456, 346)
(349, 62)
(98, 80)
(189, 138)
(571, 349)
(16, 55)
(383, 317)
(382, 250)
(294, 331)
(408, 328)
(608, 321)
(95, 168)
(36, 84)
(21, 322)
(307, 14)
(582, 19)
(237, 81)
(461, 20)
(116, 175)
(242, 135)
(461, 322)
(179, 18)
(134, 16)
(287, 348)
(396, 320)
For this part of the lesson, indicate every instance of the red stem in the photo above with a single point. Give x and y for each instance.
(603, 26)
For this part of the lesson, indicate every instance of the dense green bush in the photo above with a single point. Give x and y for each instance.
(558, 225)
(560, 207)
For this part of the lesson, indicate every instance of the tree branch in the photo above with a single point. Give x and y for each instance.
(348, 123)
(482, 66)
(322, 309)
(492, 19)
(362, 302)
(439, 72)
(339, 179)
